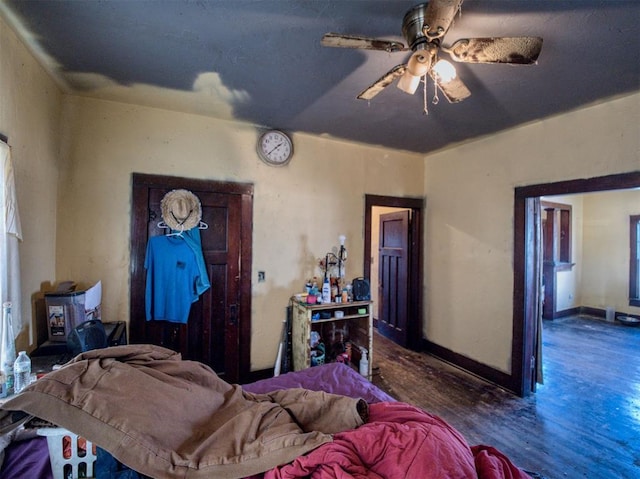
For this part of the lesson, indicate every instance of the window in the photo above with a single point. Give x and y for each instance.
(634, 261)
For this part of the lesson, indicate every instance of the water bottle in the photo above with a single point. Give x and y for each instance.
(22, 371)
(7, 348)
(364, 363)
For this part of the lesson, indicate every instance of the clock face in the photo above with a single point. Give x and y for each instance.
(275, 148)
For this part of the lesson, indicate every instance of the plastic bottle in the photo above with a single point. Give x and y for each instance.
(364, 363)
(314, 289)
(22, 371)
(7, 348)
(326, 291)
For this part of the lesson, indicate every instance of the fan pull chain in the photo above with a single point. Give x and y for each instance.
(436, 98)
(425, 108)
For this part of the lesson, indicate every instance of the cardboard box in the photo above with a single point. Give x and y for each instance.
(68, 309)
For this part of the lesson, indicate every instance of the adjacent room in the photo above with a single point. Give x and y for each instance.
(457, 217)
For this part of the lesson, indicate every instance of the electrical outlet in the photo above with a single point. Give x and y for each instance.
(261, 276)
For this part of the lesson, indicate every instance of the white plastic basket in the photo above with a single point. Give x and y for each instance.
(80, 461)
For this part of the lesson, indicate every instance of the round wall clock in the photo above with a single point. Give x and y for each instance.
(275, 148)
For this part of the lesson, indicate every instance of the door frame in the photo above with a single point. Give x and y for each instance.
(140, 186)
(523, 340)
(416, 205)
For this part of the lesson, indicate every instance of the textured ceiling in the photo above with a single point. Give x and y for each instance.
(260, 61)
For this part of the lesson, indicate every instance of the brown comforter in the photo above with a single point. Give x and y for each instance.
(169, 418)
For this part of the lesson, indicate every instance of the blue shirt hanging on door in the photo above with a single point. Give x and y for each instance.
(173, 279)
(192, 238)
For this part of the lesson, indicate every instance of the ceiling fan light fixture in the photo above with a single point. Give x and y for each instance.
(417, 67)
(419, 63)
(445, 71)
(408, 83)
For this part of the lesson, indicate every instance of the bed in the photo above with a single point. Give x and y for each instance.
(394, 439)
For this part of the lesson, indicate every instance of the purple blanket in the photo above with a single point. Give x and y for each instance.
(29, 458)
(336, 378)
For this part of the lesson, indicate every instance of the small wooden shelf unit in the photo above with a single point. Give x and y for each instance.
(356, 326)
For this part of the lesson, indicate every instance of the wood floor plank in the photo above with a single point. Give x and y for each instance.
(584, 422)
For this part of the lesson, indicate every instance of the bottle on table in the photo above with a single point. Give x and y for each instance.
(326, 290)
(22, 372)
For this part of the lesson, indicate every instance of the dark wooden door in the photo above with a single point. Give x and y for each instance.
(216, 333)
(393, 274)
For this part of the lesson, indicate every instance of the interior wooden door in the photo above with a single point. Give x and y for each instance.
(394, 276)
(217, 332)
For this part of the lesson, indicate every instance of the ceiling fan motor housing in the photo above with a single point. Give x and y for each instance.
(412, 26)
(417, 30)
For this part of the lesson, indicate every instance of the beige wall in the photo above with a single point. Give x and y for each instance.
(30, 116)
(299, 210)
(469, 228)
(605, 231)
(600, 251)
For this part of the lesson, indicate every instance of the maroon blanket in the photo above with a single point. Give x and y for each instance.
(400, 441)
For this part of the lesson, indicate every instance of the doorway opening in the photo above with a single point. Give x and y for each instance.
(527, 304)
(397, 311)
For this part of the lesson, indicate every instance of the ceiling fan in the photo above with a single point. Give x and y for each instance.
(424, 27)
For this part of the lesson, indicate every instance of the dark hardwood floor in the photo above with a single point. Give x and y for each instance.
(584, 422)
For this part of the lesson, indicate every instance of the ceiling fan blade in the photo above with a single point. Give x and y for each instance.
(383, 82)
(439, 17)
(454, 90)
(515, 50)
(365, 43)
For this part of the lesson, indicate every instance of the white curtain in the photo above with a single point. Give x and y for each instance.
(10, 236)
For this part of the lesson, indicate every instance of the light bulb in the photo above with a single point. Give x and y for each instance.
(445, 71)
(342, 239)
